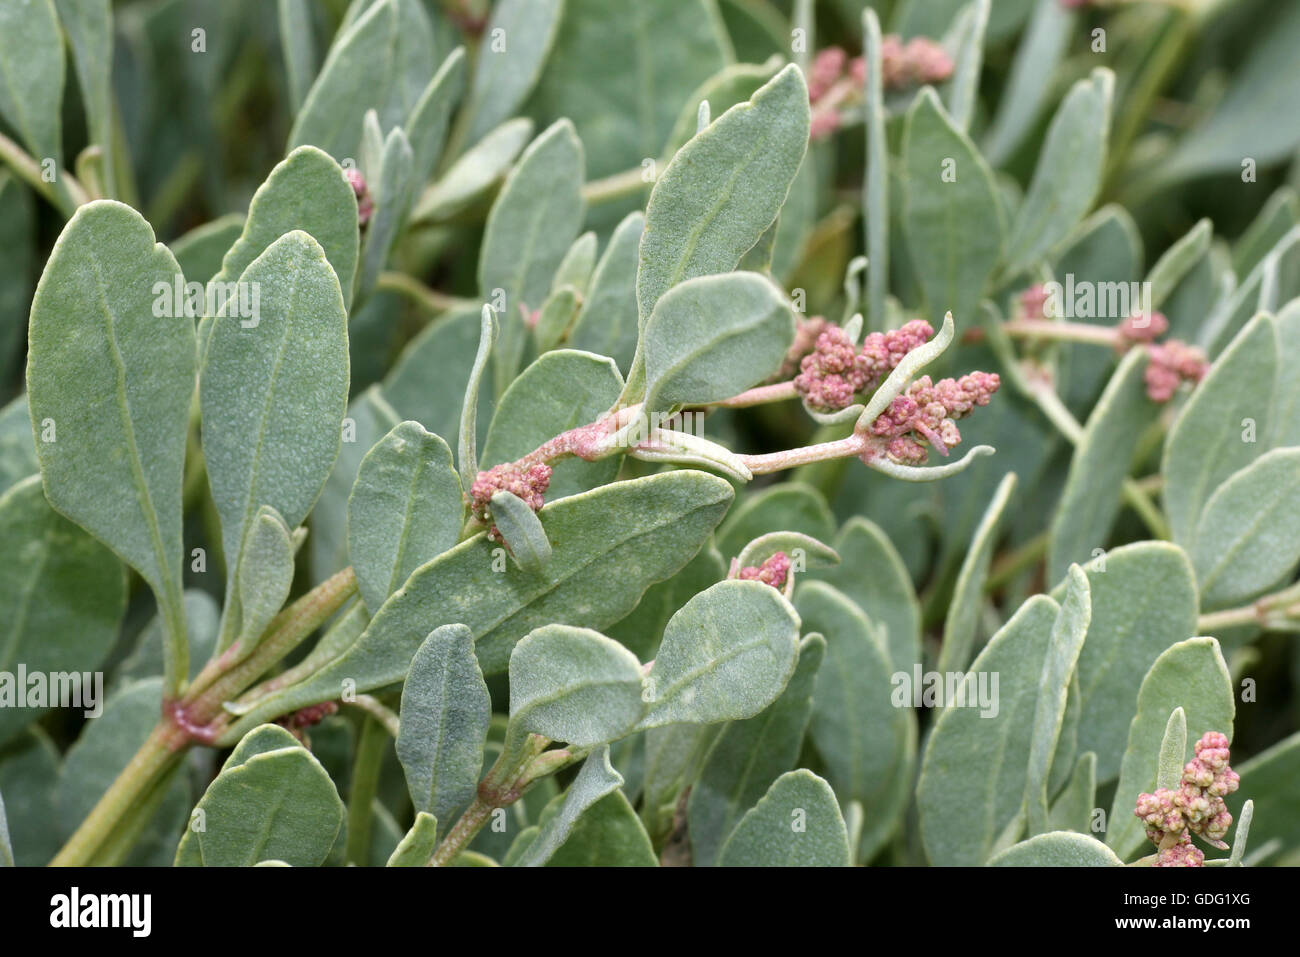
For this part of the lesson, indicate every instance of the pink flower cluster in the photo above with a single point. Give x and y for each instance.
(1172, 363)
(365, 205)
(1172, 815)
(927, 413)
(1033, 301)
(772, 572)
(835, 370)
(834, 79)
(528, 483)
(1142, 328)
(805, 340)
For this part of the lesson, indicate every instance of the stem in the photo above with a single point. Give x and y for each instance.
(1271, 610)
(162, 750)
(626, 183)
(430, 299)
(65, 192)
(1016, 561)
(760, 395)
(855, 444)
(379, 711)
(1061, 331)
(365, 784)
(233, 670)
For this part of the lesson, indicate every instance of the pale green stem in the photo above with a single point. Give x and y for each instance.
(430, 299)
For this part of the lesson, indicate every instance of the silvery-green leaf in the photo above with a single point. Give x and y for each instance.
(391, 193)
(1173, 746)
(876, 187)
(803, 550)
(607, 324)
(1207, 442)
(747, 756)
(65, 595)
(265, 572)
(1252, 119)
(1191, 675)
(6, 846)
(474, 173)
(713, 337)
(89, 28)
(405, 509)
(975, 766)
(608, 834)
(276, 804)
(516, 40)
(273, 390)
(673, 756)
(622, 73)
(866, 738)
(416, 847)
(1272, 283)
(723, 189)
(101, 752)
(1040, 50)
(1271, 780)
(369, 417)
(383, 61)
(202, 618)
(1243, 833)
(17, 446)
(576, 267)
(1072, 808)
(444, 724)
(1178, 260)
(725, 655)
(1091, 499)
(734, 83)
(29, 774)
(1279, 215)
(967, 603)
(1248, 538)
(1286, 395)
(911, 364)
(954, 222)
(796, 824)
(573, 685)
(973, 21)
(596, 575)
(427, 124)
(31, 76)
(787, 507)
(201, 250)
(467, 438)
(299, 48)
(533, 221)
(1058, 849)
(595, 780)
(521, 531)
(641, 631)
(1143, 601)
(110, 384)
(871, 573)
(557, 314)
(278, 207)
(1068, 173)
(1063, 649)
(562, 390)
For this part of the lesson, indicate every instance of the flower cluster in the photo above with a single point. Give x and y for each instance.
(805, 340)
(1172, 363)
(772, 572)
(1142, 327)
(835, 80)
(835, 370)
(365, 204)
(927, 413)
(1172, 815)
(1033, 301)
(528, 482)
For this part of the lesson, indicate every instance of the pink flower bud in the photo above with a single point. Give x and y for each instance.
(365, 205)
(1143, 328)
(1172, 363)
(528, 483)
(772, 572)
(826, 68)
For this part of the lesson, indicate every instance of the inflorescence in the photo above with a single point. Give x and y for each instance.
(1196, 806)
